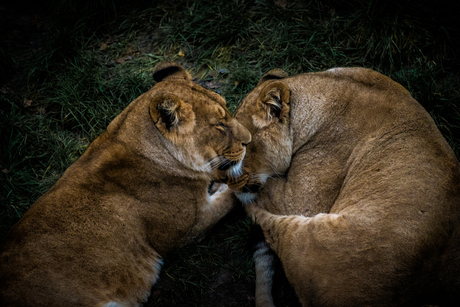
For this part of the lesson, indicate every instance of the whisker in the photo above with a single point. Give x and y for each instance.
(279, 175)
(227, 162)
(209, 163)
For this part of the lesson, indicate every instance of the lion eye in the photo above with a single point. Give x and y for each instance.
(220, 126)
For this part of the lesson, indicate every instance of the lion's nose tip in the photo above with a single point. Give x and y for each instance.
(247, 140)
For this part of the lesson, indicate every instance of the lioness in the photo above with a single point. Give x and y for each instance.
(364, 208)
(98, 236)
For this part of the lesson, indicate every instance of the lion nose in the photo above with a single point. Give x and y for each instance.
(245, 142)
(246, 137)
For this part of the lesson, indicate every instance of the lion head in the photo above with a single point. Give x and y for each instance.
(204, 135)
(265, 113)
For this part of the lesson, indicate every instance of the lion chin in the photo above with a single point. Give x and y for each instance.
(245, 197)
(363, 207)
(98, 236)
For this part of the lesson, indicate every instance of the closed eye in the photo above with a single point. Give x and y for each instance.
(220, 126)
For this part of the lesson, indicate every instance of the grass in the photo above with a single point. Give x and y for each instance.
(69, 67)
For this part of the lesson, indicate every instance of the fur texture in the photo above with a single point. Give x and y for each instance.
(264, 261)
(98, 236)
(364, 205)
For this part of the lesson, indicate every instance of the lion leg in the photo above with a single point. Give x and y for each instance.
(218, 205)
(281, 233)
(264, 263)
(336, 260)
(263, 256)
(274, 226)
(264, 260)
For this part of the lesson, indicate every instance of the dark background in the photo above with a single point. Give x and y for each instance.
(67, 68)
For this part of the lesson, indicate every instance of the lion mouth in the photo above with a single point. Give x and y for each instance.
(235, 156)
(225, 169)
(247, 182)
(237, 183)
(233, 163)
(246, 198)
(251, 188)
(226, 164)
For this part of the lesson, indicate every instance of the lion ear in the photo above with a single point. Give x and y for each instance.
(169, 70)
(171, 115)
(276, 73)
(274, 101)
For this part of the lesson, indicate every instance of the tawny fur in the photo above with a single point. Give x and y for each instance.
(98, 236)
(364, 205)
